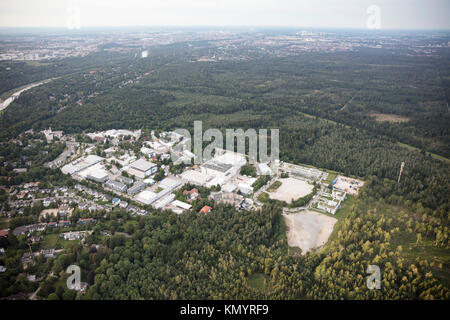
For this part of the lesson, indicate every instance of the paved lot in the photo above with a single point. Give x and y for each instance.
(291, 188)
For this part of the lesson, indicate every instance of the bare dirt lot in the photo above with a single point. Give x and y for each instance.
(291, 188)
(48, 212)
(389, 117)
(308, 229)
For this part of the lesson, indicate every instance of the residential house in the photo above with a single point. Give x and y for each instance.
(85, 221)
(4, 233)
(50, 253)
(205, 209)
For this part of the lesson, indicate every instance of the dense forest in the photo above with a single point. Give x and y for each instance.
(323, 106)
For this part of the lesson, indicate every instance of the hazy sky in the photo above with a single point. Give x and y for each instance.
(394, 14)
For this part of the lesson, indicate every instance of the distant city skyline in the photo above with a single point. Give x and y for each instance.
(392, 14)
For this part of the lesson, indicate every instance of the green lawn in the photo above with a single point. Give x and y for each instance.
(330, 177)
(263, 197)
(53, 241)
(274, 186)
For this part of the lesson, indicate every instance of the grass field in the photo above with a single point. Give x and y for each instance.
(380, 117)
(330, 177)
(53, 241)
(274, 186)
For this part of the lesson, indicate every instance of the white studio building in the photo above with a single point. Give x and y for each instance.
(223, 167)
(196, 177)
(142, 168)
(263, 169)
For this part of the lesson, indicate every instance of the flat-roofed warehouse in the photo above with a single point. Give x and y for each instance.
(195, 177)
(116, 185)
(99, 175)
(95, 172)
(136, 188)
(81, 164)
(142, 168)
(147, 197)
(306, 172)
(224, 166)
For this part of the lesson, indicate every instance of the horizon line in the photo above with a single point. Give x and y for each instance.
(225, 26)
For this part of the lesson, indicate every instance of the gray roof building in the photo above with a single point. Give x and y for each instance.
(116, 185)
(136, 188)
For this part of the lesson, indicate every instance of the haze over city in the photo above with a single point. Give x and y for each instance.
(399, 14)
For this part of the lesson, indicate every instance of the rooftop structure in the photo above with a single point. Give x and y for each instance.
(116, 185)
(228, 187)
(81, 164)
(205, 209)
(136, 188)
(162, 202)
(302, 171)
(147, 197)
(263, 169)
(169, 183)
(182, 205)
(49, 134)
(142, 168)
(349, 185)
(223, 167)
(124, 179)
(196, 177)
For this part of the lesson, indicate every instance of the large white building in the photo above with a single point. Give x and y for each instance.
(305, 172)
(223, 167)
(81, 164)
(263, 169)
(147, 197)
(142, 168)
(196, 177)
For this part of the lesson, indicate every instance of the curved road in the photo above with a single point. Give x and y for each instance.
(8, 101)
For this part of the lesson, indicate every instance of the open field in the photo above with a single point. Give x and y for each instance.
(54, 241)
(48, 212)
(291, 188)
(274, 186)
(308, 229)
(389, 117)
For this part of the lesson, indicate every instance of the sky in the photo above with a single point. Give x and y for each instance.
(389, 14)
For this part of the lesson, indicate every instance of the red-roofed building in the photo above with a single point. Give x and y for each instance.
(205, 209)
(4, 233)
(191, 194)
